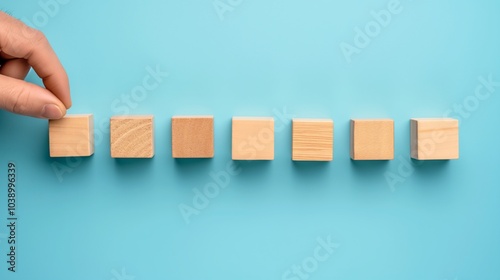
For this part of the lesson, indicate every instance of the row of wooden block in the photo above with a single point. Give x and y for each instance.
(253, 138)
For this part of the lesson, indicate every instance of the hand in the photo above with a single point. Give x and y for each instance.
(21, 48)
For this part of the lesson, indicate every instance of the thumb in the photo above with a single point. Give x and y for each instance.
(27, 99)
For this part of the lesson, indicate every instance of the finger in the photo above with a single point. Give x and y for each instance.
(5, 56)
(24, 98)
(15, 68)
(20, 41)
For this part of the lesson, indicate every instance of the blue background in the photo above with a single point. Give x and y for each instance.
(107, 218)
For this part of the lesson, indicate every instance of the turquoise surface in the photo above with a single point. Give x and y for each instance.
(100, 218)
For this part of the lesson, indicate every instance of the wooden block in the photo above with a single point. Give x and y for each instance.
(253, 138)
(193, 137)
(312, 140)
(372, 139)
(132, 137)
(72, 136)
(434, 139)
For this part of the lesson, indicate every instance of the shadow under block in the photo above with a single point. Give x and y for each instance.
(252, 138)
(434, 139)
(312, 140)
(132, 137)
(193, 137)
(72, 136)
(372, 139)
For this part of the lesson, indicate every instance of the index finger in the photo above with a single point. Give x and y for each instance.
(21, 41)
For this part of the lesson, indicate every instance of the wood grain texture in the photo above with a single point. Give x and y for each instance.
(193, 137)
(434, 139)
(132, 137)
(252, 138)
(372, 139)
(72, 136)
(312, 140)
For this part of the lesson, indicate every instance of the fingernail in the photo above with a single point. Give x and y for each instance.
(51, 111)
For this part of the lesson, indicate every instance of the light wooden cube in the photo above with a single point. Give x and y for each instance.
(252, 138)
(312, 140)
(434, 139)
(372, 139)
(72, 136)
(193, 137)
(132, 137)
